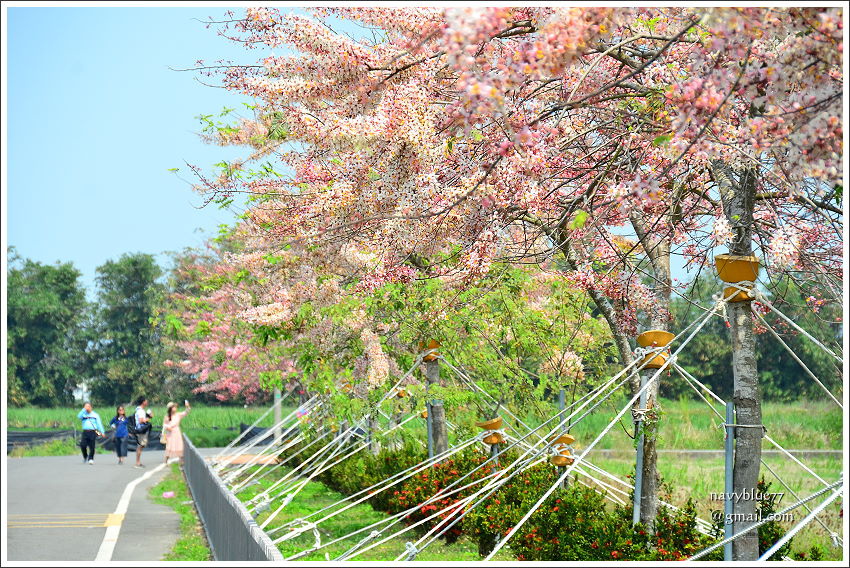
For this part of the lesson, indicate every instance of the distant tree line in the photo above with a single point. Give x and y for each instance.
(57, 339)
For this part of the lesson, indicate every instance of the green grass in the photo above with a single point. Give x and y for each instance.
(316, 496)
(192, 545)
(64, 447)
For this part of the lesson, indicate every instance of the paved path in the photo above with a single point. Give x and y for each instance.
(60, 509)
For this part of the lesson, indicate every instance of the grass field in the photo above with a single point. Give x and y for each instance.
(686, 424)
(207, 426)
(201, 417)
(691, 425)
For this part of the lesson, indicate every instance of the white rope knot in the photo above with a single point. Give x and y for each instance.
(411, 550)
(557, 449)
(639, 414)
(836, 542)
(641, 352)
(746, 286)
(318, 542)
(262, 507)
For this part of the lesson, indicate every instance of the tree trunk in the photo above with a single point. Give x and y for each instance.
(738, 197)
(656, 245)
(436, 411)
(371, 429)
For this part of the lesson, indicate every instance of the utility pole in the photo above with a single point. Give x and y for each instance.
(278, 413)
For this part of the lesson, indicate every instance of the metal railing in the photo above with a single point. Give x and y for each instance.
(231, 531)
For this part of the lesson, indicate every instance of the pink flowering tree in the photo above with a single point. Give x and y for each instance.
(210, 343)
(602, 138)
(313, 319)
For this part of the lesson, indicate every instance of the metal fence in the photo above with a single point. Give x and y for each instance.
(231, 531)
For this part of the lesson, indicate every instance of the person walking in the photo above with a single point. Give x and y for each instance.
(119, 424)
(171, 427)
(92, 429)
(143, 418)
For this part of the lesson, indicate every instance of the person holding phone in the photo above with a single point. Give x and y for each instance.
(92, 429)
(171, 427)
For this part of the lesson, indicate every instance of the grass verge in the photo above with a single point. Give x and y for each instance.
(316, 496)
(192, 544)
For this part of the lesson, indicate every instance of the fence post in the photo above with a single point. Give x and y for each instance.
(639, 456)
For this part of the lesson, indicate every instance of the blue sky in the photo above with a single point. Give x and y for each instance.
(96, 119)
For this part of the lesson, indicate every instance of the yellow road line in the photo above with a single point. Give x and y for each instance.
(61, 522)
(60, 515)
(55, 526)
(99, 520)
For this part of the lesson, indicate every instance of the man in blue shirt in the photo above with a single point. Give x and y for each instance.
(92, 428)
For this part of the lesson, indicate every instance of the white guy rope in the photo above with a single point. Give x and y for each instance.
(717, 545)
(242, 434)
(794, 355)
(444, 492)
(685, 375)
(616, 419)
(373, 490)
(495, 485)
(762, 300)
(836, 540)
(794, 530)
(302, 408)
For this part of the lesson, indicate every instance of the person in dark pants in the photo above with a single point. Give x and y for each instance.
(143, 418)
(92, 429)
(119, 424)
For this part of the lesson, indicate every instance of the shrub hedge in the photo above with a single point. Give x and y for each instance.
(574, 523)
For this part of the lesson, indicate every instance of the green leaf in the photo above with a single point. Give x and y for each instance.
(579, 219)
(663, 139)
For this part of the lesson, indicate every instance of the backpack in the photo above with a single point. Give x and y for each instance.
(131, 423)
(133, 428)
